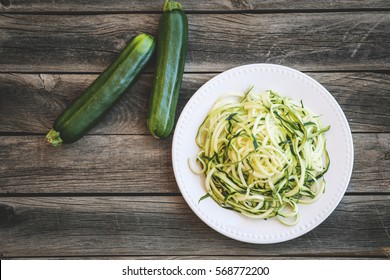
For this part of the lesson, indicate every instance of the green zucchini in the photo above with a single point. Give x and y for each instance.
(89, 108)
(171, 55)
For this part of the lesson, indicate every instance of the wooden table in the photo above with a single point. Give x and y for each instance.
(113, 194)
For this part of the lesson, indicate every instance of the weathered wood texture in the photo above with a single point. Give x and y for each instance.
(113, 193)
(88, 43)
(139, 164)
(29, 103)
(189, 5)
(110, 164)
(158, 226)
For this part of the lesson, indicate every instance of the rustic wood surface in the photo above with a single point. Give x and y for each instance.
(9, 6)
(113, 194)
(308, 41)
(44, 96)
(165, 225)
(140, 164)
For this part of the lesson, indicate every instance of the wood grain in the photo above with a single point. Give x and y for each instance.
(88, 43)
(159, 226)
(189, 6)
(112, 164)
(113, 194)
(139, 164)
(29, 103)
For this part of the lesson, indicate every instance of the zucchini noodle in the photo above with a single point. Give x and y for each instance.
(262, 154)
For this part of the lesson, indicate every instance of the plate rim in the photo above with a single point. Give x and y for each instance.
(347, 173)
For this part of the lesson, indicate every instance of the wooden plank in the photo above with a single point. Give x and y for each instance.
(111, 164)
(371, 170)
(199, 5)
(196, 257)
(29, 103)
(139, 164)
(306, 41)
(159, 226)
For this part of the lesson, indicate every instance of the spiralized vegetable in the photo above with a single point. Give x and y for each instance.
(262, 154)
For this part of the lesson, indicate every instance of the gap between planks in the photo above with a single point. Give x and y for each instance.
(205, 12)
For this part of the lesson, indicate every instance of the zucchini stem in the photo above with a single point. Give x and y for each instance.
(170, 5)
(53, 137)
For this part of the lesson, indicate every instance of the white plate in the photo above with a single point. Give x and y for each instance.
(288, 82)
